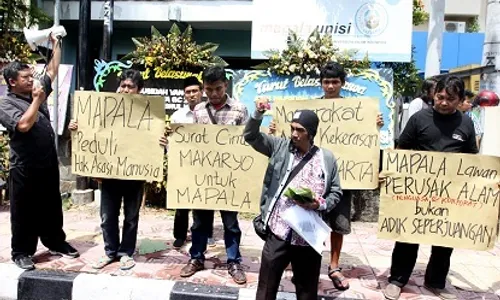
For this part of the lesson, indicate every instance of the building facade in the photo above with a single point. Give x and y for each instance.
(229, 23)
(459, 15)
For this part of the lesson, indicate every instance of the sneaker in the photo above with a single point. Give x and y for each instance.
(24, 262)
(126, 263)
(178, 243)
(444, 294)
(392, 292)
(211, 242)
(65, 251)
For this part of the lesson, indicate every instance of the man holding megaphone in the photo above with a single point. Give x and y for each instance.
(35, 197)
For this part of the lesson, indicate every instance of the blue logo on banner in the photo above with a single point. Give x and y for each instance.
(371, 19)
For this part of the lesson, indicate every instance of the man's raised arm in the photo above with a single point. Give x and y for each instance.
(55, 61)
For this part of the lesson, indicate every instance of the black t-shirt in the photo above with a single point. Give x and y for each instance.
(428, 130)
(35, 148)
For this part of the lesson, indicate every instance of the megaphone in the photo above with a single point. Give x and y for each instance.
(36, 38)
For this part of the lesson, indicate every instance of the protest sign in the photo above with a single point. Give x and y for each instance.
(118, 136)
(490, 141)
(371, 83)
(442, 199)
(347, 128)
(213, 168)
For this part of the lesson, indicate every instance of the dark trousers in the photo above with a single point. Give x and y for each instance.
(113, 191)
(404, 257)
(202, 226)
(181, 223)
(276, 256)
(35, 209)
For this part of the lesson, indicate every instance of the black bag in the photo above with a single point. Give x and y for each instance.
(258, 223)
(258, 226)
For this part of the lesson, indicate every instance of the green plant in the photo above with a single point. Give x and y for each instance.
(303, 57)
(406, 79)
(473, 25)
(157, 189)
(16, 15)
(4, 156)
(175, 51)
(420, 16)
(156, 186)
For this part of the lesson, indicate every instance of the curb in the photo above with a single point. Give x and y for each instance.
(17, 284)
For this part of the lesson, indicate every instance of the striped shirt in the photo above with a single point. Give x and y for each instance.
(232, 113)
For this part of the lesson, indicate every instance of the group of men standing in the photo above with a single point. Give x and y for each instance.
(294, 162)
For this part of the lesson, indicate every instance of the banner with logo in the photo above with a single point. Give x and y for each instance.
(248, 85)
(157, 81)
(370, 26)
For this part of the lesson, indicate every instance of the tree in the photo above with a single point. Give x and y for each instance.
(14, 16)
(419, 14)
(175, 51)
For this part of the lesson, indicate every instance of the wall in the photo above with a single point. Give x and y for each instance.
(458, 49)
(459, 10)
(232, 43)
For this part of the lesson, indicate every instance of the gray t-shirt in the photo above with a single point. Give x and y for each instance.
(35, 148)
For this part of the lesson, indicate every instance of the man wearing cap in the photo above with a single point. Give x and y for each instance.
(192, 93)
(294, 162)
(332, 79)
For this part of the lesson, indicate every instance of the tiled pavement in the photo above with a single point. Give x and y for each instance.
(365, 259)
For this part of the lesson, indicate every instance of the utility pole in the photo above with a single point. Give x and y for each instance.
(435, 38)
(55, 104)
(491, 48)
(491, 81)
(83, 195)
(107, 35)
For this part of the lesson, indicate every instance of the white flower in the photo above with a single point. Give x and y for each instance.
(300, 55)
(323, 49)
(292, 68)
(312, 39)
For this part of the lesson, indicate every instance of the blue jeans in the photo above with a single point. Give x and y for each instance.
(202, 223)
(113, 191)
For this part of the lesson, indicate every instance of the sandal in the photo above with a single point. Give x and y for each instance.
(103, 261)
(337, 279)
(126, 263)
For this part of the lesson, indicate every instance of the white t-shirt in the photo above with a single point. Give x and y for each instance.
(182, 116)
(416, 105)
